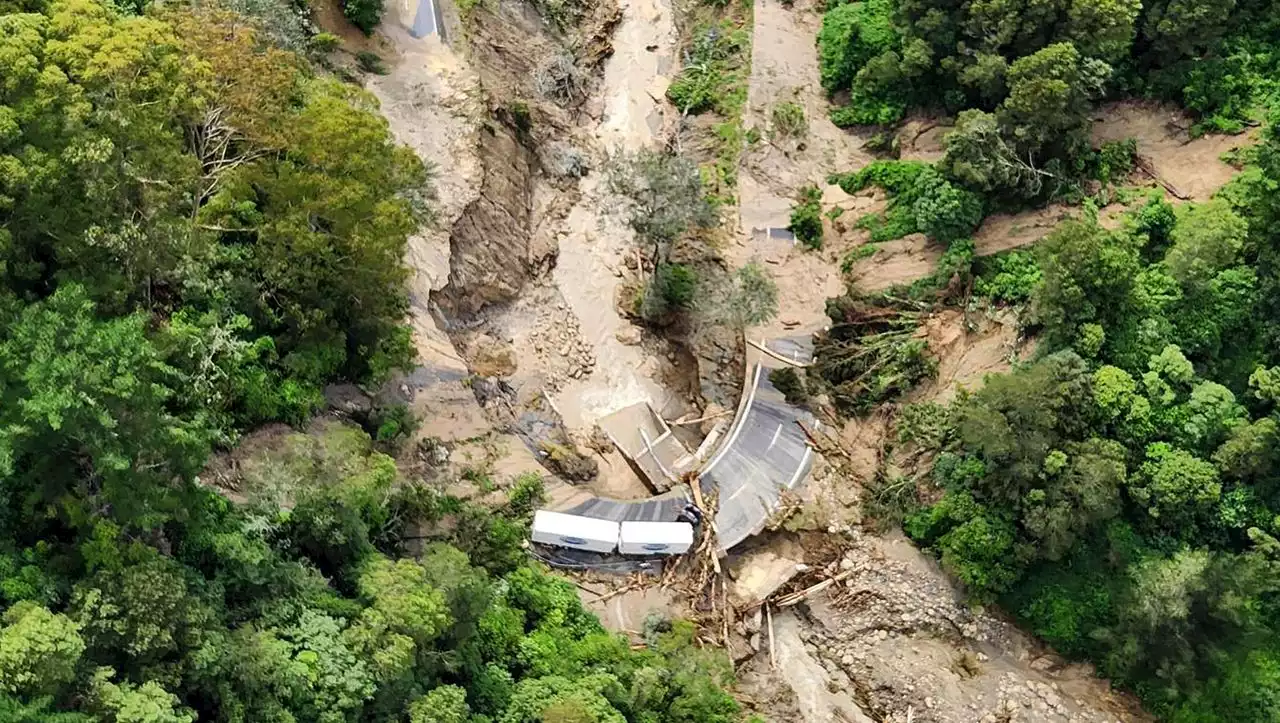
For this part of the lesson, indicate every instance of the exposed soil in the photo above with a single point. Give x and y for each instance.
(969, 347)
(1193, 166)
(626, 613)
(328, 16)
(784, 68)
(896, 640)
(430, 98)
(922, 139)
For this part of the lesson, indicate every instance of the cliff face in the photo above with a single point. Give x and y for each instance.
(495, 245)
(489, 247)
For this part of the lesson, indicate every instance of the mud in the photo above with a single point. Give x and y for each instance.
(1193, 166)
(969, 347)
(430, 99)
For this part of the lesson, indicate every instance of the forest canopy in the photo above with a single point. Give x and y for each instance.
(1021, 77)
(198, 231)
(1120, 493)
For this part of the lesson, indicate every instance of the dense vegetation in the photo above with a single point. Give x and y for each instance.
(1022, 77)
(197, 232)
(667, 204)
(1121, 493)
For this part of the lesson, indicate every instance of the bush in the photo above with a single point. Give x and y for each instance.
(943, 211)
(1114, 160)
(671, 289)
(746, 297)
(677, 284)
(788, 381)
(392, 425)
(364, 14)
(789, 120)
(1010, 277)
(852, 34)
(712, 78)
(371, 62)
(922, 201)
(806, 217)
(324, 43)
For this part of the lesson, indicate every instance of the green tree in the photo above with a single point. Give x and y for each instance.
(1014, 422)
(945, 212)
(403, 597)
(747, 297)
(1049, 95)
(1088, 276)
(1207, 239)
(852, 34)
(1185, 28)
(445, 704)
(1079, 492)
(142, 609)
(39, 650)
(1175, 487)
(129, 703)
(364, 14)
(1103, 28)
(981, 156)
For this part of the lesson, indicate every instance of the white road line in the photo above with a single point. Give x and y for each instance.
(776, 433)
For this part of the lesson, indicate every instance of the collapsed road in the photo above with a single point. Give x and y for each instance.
(764, 454)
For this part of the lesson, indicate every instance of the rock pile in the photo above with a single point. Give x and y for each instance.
(561, 350)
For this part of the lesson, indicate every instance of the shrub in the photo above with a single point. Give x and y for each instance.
(1114, 159)
(712, 78)
(851, 35)
(746, 297)
(371, 62)
(324, 43)
(1009, 277)
(677, 284)
(788, 381)
(521, 116)
(392, 425)
(672, 288)
(789, 120)
(806, 217)
(364, 14)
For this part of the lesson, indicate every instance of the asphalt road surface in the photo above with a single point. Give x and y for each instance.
(654, 509)
(764, 454)
(427, 20)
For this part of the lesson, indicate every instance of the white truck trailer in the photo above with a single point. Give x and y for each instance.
(579, 533)
(655, 538)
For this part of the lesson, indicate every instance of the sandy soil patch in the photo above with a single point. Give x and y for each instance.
(329, 18)
(968, 348)
(898, 642)
(636, 75)
(863, 439)
(821, 697)
(922, 139)
(617, 480)
(1193, 166)
(591, 245)
(626, 613)
(430, 98)
(784, 67)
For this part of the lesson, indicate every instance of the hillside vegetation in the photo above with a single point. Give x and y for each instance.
(1021, 76)
(1121, 493)
(198, 231)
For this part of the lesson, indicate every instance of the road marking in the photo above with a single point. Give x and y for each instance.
(739, 423)
(800, 470)
(776, 433)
